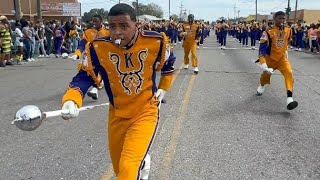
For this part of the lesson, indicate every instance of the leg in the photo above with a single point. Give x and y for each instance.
(58, 46)
(116, 134)
(49, 45)
(286, 71)
(33, 44)
(186, 48)
(20, 54)
(137, 142)
(27, 49)
(93, 93)
(251, 39)
(42, 47)
(2, 64)
(194, 55)
(265, 77)
(243, 40)
(37, 48)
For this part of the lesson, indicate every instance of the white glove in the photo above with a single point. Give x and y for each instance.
(160, 94)
(74, 57)
(184, 33)
(70, 110)
(265, 68)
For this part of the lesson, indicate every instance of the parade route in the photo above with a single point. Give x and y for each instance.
(213, 125)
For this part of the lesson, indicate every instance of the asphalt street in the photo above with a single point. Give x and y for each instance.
(213, 125)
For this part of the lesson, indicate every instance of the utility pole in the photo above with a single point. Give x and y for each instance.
(235, 11)
(17, 9)
(137, 9)
(119, 2)
(288, 11)
(238, 13)
(181, 7)
(295, 12)
(39, 14)
(30, 12)
(169, 9)
(257, 10)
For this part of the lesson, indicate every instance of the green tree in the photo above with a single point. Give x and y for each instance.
(149, 9)
(175, 17)
(87, 16)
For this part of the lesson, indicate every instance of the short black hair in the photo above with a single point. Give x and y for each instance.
(97, 16)
(279, 13)
(123, 9)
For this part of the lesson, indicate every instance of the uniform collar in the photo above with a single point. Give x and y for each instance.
(133, 40)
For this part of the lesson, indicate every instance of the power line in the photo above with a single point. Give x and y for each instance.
(276, 7)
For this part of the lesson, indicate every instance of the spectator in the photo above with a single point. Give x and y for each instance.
(313, 34)
(5, 39)
(48, 33)
(27, 41)
(18, 42)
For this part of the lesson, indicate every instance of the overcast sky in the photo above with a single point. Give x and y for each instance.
(210, 10)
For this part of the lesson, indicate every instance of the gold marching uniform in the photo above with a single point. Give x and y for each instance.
(190, 42)
(129, 75)
(273, 51)
(88, 36)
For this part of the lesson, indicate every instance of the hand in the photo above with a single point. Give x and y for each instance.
(269, 70)
(160, 94)
(70, 110)
(265, 68)
(184, 33)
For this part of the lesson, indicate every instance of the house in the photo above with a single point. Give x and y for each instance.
(260, 18)
(51, 9)
(308, 16)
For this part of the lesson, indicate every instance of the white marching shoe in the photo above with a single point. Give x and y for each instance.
(101, 85)
(145, 169)
(260, 90)
(93, 93)
(291, 104)
(196, 70)
(186, 66)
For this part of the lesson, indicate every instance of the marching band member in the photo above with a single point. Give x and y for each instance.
(98, 30)
(191, 36)
(127, 61)
(273, 55)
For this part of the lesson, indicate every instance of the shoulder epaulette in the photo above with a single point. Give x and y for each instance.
(151, 34)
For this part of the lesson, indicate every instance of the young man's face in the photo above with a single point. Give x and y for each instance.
(121, 27)
(279, 20)
(96, 22)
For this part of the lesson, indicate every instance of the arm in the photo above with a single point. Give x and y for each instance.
(48, 29)
(25, 33)
(198, 33)
(18, 32)
(264, 46)
(82, 45)
(83, 80)
(167, 72)
(183, 32)
(167, 60)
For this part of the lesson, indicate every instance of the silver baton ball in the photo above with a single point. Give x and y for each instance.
(30, 117)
